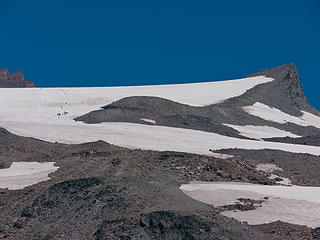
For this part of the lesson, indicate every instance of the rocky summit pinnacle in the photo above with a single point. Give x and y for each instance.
(15, 80)
(285, 93)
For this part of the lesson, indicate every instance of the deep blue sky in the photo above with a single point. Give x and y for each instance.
(107, 43)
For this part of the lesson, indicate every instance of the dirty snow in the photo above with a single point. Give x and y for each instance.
(268, 167)
(284, 181)
(295, 204)
(275, 115)
(259, 132)
(23, 174)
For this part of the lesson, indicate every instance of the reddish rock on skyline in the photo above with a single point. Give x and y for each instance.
(15, 80)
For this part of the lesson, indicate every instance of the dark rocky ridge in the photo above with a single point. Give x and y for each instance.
(15, 80)
(308, 140)
(163, 111)
(284, 93)
(287, 231)
(302, 169)
(14, 148)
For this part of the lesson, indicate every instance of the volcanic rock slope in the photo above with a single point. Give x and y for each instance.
(15, 80)
(256, 131)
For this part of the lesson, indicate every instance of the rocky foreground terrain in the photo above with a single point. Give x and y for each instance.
(104, 191)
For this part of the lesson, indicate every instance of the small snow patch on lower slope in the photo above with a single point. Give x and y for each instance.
(270, 168)
(220, 155)
(295, 204)
(283, 181)
(259, 132)
(148, 120)
(23, 174)
(275, 115)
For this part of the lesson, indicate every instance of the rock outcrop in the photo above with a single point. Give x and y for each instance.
(15, 80)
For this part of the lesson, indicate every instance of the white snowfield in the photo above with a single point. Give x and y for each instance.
(275, 115)
(44, 104)
(48, 114)
(141, 136)
(259, 132)
(295, 204)
(23, 174)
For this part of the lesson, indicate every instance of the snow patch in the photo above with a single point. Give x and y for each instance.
(23, 174)
(283, 181)
(311, 119)
(148, 120)
(149, 137)
(275, 115)
(296, 204)
(268, 167)
(259, 132)
(221, 155)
